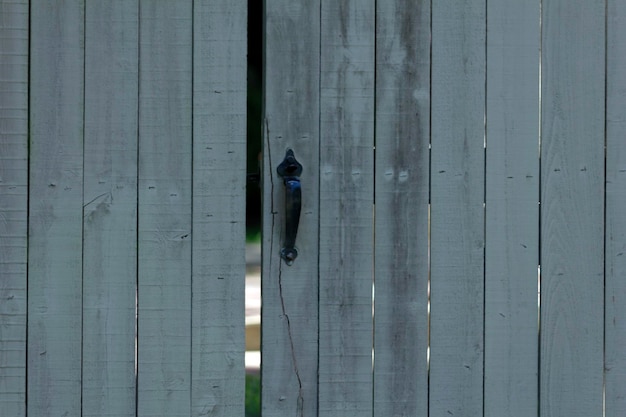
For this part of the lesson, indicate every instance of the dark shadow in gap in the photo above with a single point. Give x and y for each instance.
(253, 206)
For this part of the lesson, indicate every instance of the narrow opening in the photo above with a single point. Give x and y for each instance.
(253, 208)
(539, 231)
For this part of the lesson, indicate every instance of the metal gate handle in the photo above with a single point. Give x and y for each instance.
(290, 170)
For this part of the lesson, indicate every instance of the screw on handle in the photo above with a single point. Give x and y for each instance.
(289, 170)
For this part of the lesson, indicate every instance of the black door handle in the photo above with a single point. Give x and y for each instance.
(290, 170)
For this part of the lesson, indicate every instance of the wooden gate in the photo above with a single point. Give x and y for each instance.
(461, 237)
(429, 132)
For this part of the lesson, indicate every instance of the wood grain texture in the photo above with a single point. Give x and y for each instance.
(615, 238)
(457, 214)
(219, 208)
(14, 19)
(165, 208)
(110, 207)
(55, 208)
(572, 208)
(512, 211)
(347, 70)
(289, 342)
(401, 217)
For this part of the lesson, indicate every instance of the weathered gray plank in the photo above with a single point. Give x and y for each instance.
(55, 209)
(165, 170)
(457, 215)
(572, 208)
(346, 207)
(615, 264)
(401, 220)
(110, 207)
(290, 313)
(13, 204)
(219, 207)
(512, 212)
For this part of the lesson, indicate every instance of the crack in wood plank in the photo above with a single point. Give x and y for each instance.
(300, 402)
(300, 407)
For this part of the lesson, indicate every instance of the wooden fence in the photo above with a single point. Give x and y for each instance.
(450, 150)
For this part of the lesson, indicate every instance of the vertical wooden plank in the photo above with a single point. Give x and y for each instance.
(55, 208)
(512, 212)
(219, 208)
(110, 207)
(572, 208)
(346, 207)
(401, 220)
(457, 215)
(615, 263)
(13, 204)
(289, 342)
(165, 169)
